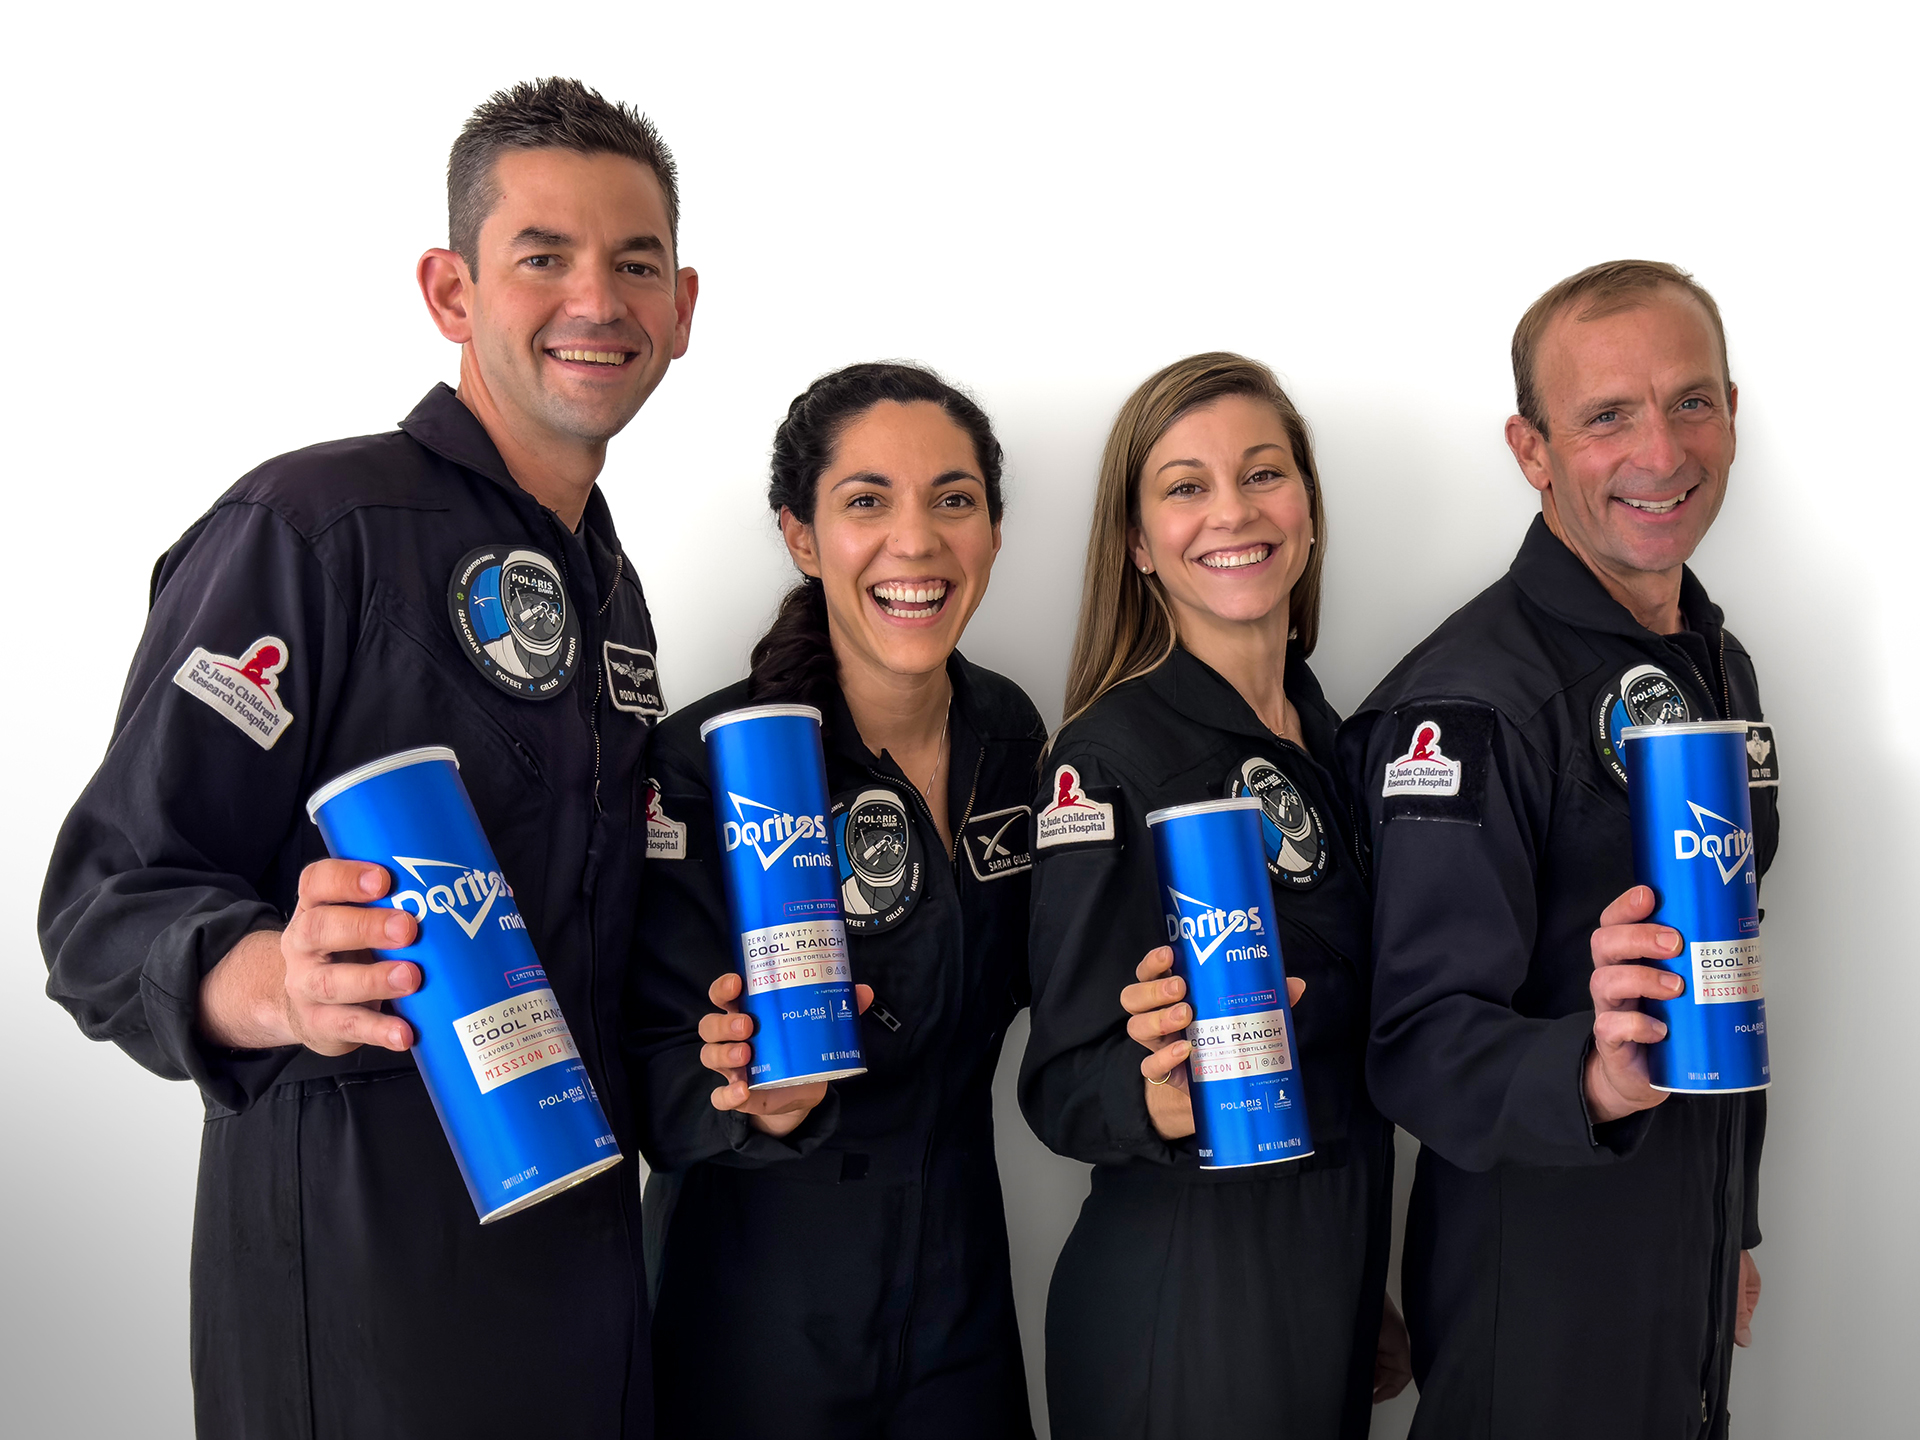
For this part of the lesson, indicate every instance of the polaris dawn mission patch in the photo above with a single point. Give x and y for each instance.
(882, 865)
(1644, 695)
(1290, 828)
(512, 618)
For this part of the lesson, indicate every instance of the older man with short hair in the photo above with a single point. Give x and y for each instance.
(1576, 1261)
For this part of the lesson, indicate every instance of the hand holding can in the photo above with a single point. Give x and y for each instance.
(498, 1060)
(769, 780)
(1249, 1105)
(1692, 824)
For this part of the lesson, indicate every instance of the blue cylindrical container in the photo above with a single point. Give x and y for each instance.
(1248, 1104)
(1693, 845)
(491, 1044)
(776, 851)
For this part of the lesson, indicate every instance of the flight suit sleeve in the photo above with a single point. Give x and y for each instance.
(1454, 930)
(684, 942)
(1094, 915)
(161, 866)
(1756, 1119)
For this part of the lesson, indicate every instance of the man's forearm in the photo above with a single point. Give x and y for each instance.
(243, 998)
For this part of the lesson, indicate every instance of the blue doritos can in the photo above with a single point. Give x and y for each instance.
(782, 877)
(1248, 1104)
(506, 1078)
(1693, 845)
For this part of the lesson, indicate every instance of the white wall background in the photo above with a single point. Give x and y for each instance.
(211, 219)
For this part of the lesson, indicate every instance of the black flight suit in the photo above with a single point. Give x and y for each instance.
(1561, 1278)
(342, 1286)
(850, 1279)
(1192, 1302)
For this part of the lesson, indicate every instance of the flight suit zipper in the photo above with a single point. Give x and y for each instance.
(953, 857)
(600, 676)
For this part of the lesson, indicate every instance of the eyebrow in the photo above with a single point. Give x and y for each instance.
(1251, 451)
(1626, 402)
(534, 235)
(874, 477)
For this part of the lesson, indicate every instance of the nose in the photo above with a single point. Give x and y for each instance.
(1658, 451)
(1232, 507)
(592, 297)
(913, 535)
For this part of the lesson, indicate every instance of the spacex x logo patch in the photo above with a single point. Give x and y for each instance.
(997, 844)
(245, 690)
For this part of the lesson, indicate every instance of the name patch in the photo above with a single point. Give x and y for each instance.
(244, 691)
(999, 844)
(1074, 817)
(1763, 762)
(633, 681)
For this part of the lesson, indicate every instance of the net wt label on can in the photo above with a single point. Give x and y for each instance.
(1237, 1046)
(515, 1038)
(800, 952)
(1726, 971)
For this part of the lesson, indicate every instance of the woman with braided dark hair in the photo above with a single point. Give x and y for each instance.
(834, 1261)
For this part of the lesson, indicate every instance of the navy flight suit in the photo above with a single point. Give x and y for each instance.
(342, 1287)
(851, 1279)
(1562, 1278)
(1190, 1302)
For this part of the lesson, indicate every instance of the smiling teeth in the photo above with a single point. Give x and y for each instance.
(1651, 508)
(593, 357)
(1238, 558)
(911, 602)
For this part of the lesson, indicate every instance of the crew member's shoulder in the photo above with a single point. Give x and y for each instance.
(1499, 650)
(679, 734)
(313, 488)
(1130, 733)
(998, 704)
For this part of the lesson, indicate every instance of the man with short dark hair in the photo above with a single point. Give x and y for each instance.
(1577, 1242)
(308, 623)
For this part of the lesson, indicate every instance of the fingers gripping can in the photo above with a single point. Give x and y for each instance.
(770, 814)
(1693, 846)
(1249, 1107)
(499, 1063)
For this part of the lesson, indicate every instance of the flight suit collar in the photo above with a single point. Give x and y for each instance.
(1556, 580)
(843, 736)
(444, 425)
(1203, 694)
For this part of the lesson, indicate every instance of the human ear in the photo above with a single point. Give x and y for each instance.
(686, 290)
(1137, 548)
(800, 543)
(1529, 449)
(445, 282)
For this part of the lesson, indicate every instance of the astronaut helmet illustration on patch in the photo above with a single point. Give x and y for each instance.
(1296, 848)
(534, 605)
(881, 867)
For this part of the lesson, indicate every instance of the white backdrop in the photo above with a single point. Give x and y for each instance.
(211, 224)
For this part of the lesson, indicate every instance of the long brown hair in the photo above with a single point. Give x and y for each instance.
(1126, 628)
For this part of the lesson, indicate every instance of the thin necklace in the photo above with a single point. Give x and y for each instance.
(938, 746)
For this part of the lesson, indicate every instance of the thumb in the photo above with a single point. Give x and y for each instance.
(863, 997)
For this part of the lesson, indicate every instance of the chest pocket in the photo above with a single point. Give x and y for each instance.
(408, 695)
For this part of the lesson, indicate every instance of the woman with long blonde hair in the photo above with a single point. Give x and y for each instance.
(1230, 1302)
